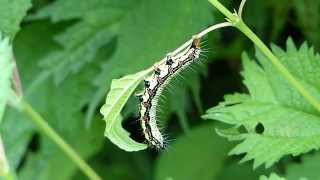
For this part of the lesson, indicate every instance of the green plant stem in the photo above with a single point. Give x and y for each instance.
(237, 22)
(66, 148)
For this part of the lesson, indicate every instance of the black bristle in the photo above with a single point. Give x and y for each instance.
(169, 61)
(146, 83)
(157, 71)
(140, 97)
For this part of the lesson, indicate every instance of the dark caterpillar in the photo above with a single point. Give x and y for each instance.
(154, 86)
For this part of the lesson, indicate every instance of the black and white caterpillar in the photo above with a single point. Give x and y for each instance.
(154, 85)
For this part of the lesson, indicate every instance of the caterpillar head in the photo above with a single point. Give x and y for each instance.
(195, 43)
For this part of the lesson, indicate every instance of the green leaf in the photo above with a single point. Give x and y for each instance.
(275, 119)
(308, 169)
(86, 10)
(11, 15)
(132, 18)
(44, 163)
(145, 37)
(6, 70)
(81, 41)
(62, 106)
(119, 136)
(26, 46)
(67, 120)
(120, 91)
(308, 18)
(273, 176)
(193, 156)
(240, 171)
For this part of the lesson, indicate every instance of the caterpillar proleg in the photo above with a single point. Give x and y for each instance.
(154, 85)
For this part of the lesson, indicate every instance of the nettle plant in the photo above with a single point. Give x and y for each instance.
(278, 117)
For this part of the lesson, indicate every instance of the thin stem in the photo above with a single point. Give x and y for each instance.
(236, 21)
(294, 82)
(66, 148)
(16, 79)
(212, 28)
(231, 17)
(199, 35)
(243, 2)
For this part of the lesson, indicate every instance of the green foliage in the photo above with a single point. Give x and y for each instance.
(179, 164)
(273, 176)
(309, 19)
(82, 40)
(309, 166)
(288, 124)
(208, 160)
(129, 36)
(12, 13)
(240, 171)
(70, 54)
(139, 29)
(121, 90)
(64, 116)
(6, 70)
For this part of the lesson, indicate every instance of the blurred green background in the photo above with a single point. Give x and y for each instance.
(68, 51)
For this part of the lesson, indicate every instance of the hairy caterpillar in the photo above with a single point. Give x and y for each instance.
(154, 85)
